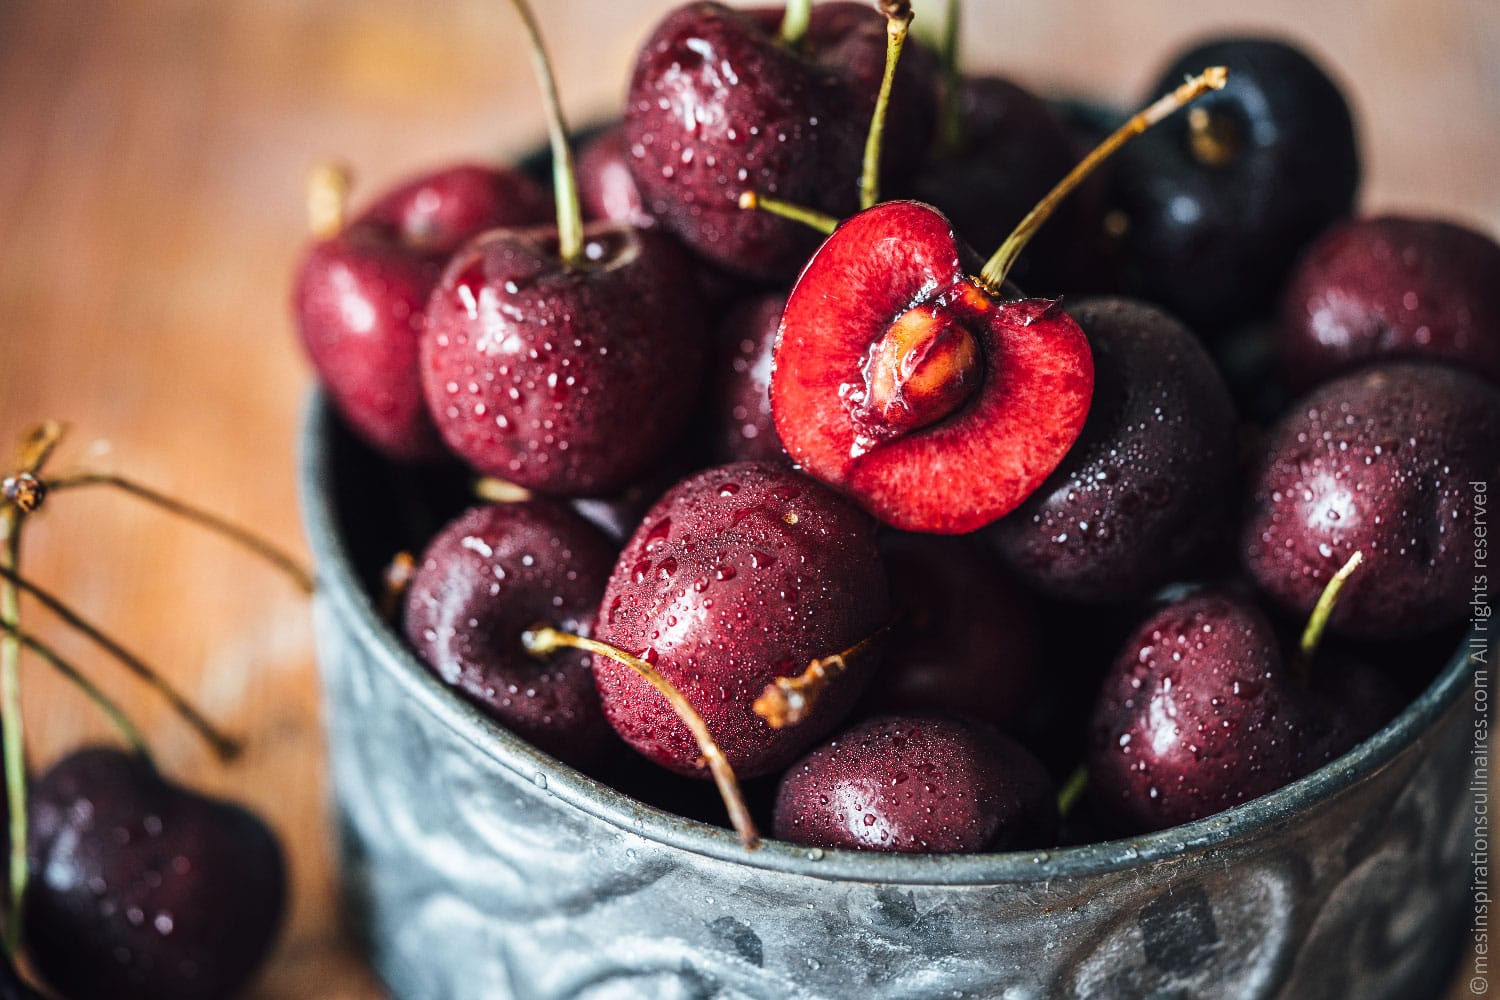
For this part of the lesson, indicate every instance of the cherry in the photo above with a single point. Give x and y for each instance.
(361, 288)
(1145, 493)
(144, 888)
(1219, 202)
(541, 345)
(740, 574)
(744, 427)
(920, 783)
(1392, 287)
(966, 639)
(722, 101)
(1011, 147)
(1199, 714)
(606, 188)
(1379, 461)
(490, 575)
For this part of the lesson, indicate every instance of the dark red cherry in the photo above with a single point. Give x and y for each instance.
(740, 574)
(719, 105)
(1378, 462)
(966, 639)
(606, 187)
(566, 379)
(360, 293)
(918, 784)
(490, 575)
(1146, 493)
(144, 890)
(744, 426)
(1199, 714)
(1392, 287)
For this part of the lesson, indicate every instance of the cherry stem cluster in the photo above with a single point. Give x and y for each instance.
(1317, 622)
(897, 24)
(544, 640)
(564, 174)
(998, 266)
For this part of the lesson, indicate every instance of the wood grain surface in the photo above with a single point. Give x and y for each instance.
(152, 154)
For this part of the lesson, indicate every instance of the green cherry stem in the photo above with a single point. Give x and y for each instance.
(1072, 790)
(224, 746)
(254, 544)
(1317, 622)
(998, 266)
(951, 120)
(795, 21)
(328, 186)
(811, 217)
(544, 640)
(564, 176)
(94, 693)
(36, 447)
(898, 17)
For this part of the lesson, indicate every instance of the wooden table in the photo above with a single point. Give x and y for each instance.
(152, 154)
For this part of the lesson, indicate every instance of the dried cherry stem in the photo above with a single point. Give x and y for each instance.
(543, 640)
(564, 175)
(492, 489)
(1317, 622)
(94, 693)
(36, 447)
(786, 701)
(811, 217)
(247, 540)
(795, 21)
(1072, 790)
(395, 582)
(328, 185)
(898, 17)
(224, 746)
(998, 266)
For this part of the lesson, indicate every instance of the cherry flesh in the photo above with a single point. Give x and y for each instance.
(145, 889)
(1146, 493)
(740, 574)
(1378, 462)
(491, 574)
(718, 106)
(360, 294)
(1392, 287)
(918, 783)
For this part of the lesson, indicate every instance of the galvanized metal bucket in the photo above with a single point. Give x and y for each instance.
(478, 867)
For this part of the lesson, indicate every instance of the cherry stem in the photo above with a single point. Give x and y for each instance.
(36, 447)
(492, 489)
(898, 17)
(544, 640)
(786, 701)
(997, 267)
(328, 187)
(795, 21)
(1072, 790)
(811, 217)
(564, 175)
(1312, 635)
(395, 581)
(224, 746)
(951, 122)
(247, 540)
(94, 693)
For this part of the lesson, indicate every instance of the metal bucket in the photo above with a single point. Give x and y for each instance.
(476, 866)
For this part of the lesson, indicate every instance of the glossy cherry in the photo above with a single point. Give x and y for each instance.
(494, 572)
(918, 783)
(719, 104)
(144, 889)
(744, 427)
(739, 574)
(360, 293)
(1146, 494)
(606, 187)
(1392, 287)
(1381, 462)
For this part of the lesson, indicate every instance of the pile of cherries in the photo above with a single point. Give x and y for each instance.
(850, 517)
